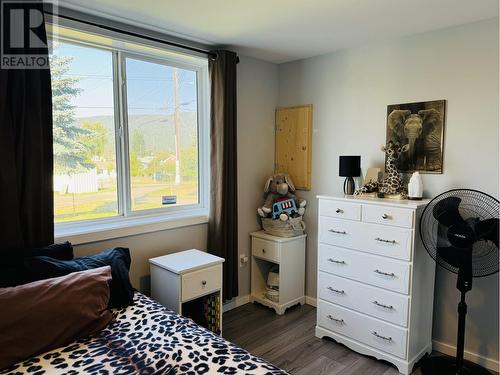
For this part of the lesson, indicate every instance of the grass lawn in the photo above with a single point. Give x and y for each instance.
(145, 195)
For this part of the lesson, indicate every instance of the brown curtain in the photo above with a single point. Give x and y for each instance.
(223, 222)
(26, 196)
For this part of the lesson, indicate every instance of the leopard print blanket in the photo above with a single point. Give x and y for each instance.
(147, 338)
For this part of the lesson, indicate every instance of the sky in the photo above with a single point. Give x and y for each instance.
(149, 85)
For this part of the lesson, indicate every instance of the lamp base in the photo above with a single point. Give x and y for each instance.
(349, 186)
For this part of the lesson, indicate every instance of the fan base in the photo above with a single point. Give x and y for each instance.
(444, 365)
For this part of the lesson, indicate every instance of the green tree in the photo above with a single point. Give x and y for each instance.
(138, 143)
(69, 152)
(94, 141)
(189, 163)
(162, 165)
(136, 169)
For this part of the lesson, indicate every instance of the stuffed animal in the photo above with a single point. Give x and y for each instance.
(279, 190)
(392, 183)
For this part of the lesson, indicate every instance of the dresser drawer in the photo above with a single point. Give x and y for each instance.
(386, 241)
(343, 210)
(399, 217)
(373, 301)
(370, 269)
(371, 238)
(265, 249)
(198, 283)
(367, 330)
(345, 233)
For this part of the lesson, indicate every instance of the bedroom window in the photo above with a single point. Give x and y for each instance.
(163, 134)
(85, 178)
(130, 133)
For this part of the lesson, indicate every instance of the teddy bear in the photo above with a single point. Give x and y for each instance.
(280, 188)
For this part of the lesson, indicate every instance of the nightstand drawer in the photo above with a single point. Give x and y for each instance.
(370, 269)
(266, 249)
(199, 283)
(367, 330)
(342, 210)
(377, 302)
(399, 217)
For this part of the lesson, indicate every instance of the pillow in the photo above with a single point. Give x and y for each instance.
(47, 314)
(62, 251)
(122, 293)
(11, 268)
(12, 272)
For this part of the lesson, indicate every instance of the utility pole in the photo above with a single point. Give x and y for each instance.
(177, 127)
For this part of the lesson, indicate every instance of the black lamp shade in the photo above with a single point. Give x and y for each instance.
(349, 166)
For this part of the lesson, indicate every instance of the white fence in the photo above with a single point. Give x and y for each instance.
(88, 182)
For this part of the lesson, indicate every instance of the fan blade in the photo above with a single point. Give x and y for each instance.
(487, 230)
(446, 211)
(452, 255)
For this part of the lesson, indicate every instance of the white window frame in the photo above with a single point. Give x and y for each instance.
(128, 222)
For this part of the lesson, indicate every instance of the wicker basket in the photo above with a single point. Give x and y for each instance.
(290, 228)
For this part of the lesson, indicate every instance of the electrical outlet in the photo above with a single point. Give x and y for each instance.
(243, 260)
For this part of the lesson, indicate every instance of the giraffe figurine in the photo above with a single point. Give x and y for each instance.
(392, 184)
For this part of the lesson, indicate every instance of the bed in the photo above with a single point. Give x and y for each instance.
(147, 338)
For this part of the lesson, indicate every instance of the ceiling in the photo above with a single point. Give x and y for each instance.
(284, 30)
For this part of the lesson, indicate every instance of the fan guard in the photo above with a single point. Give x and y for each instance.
(473, 204)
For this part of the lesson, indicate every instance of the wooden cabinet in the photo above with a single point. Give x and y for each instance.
(288, 254)
(190, 283)
(293, 148)
(375, 279)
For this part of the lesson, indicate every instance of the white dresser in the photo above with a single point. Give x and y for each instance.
(375, 279)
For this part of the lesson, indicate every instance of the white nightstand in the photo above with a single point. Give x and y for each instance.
(190, 283)
(289, 255)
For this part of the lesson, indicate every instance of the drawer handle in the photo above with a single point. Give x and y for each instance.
(340, 321)
(337, 231)
(388, 307)
(386, 241)
(204, 282)
(336, 290)
(339, 211)
(264, 251)
(385, 273)
(385, 216)
(374, 333)
(336, 261)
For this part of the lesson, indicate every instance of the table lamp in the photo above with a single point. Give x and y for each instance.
(349, 167)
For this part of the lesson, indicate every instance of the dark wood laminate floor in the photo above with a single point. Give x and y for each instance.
(288, 341)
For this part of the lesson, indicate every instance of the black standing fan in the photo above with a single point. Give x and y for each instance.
(459, 230)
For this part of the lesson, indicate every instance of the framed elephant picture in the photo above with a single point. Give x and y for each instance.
(421, 126)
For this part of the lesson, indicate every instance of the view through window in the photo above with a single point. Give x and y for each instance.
(85, 169)
(163, 139)
(97, 173)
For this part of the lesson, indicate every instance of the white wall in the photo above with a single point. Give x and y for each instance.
(350, 91)
(257, 100)
(257, 95)
(150, 245)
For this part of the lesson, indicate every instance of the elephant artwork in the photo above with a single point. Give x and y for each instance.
(420, 125)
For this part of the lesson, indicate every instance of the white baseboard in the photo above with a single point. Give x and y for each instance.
(235, 302)
(489, 363)
(311, 301)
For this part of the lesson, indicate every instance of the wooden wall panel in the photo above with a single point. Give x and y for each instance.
(293, 144)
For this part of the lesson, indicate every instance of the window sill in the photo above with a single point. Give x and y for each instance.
(83, 233)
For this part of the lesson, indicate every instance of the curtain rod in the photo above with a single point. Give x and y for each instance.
(129, 33)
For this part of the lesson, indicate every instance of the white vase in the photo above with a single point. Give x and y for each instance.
(415, 186)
